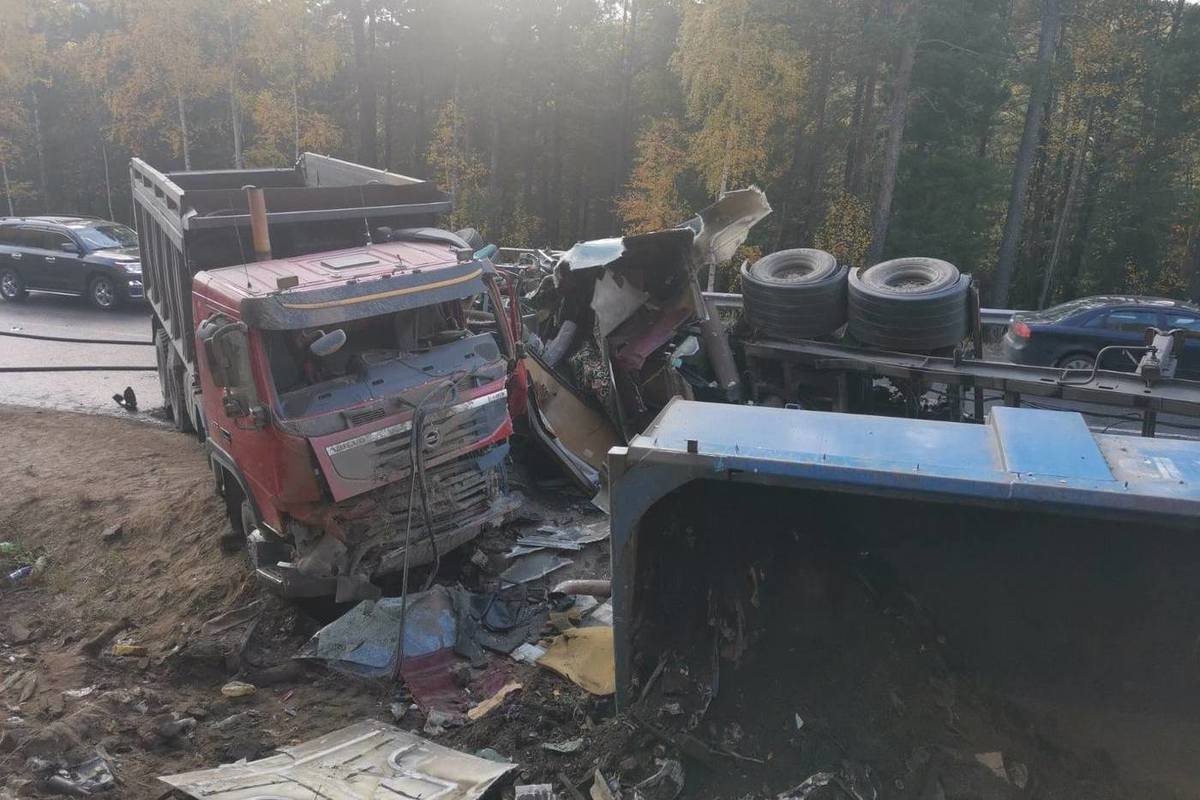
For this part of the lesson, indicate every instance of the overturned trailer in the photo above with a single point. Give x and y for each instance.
(890, 592)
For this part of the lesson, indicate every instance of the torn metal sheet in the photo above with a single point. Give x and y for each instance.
(571, 538)
(365, 761)
(533, 566)
(722, 227)
(364, 640)
(615, 300)
(596, 253)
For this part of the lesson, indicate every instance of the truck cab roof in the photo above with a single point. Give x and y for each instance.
(334, 286)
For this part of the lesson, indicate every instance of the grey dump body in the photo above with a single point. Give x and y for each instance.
(1031, 516)
(200, 220)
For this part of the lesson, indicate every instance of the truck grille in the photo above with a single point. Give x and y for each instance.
(386, 454)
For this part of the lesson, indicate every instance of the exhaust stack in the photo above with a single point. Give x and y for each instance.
(258, 223)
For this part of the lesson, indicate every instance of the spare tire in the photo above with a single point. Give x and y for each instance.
(911, 304)
(795, 294)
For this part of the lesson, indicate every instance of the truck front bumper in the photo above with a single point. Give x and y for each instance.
(369, 537)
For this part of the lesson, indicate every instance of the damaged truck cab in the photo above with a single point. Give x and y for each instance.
(312, 394)
(353, 396)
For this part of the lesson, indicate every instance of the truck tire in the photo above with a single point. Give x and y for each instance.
(178, 400)
(795, 294)
(162, 358)
(12, 288)
(909, 304)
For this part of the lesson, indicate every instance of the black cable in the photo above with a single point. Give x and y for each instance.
(71, 339)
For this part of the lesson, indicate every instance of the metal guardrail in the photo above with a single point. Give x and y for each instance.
(989, 316)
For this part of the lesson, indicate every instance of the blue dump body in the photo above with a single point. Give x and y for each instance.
(1034, 471)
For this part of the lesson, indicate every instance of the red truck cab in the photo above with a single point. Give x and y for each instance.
(356, 407)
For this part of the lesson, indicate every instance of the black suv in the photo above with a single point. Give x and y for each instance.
(69, 255)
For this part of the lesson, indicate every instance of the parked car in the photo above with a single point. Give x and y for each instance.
(1071, 335)
(70, 255)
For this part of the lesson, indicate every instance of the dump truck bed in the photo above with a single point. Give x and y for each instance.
(896, 586)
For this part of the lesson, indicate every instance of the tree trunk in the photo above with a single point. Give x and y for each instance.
(40, 148)
(862, 128)
(1006, 261)
(897, 118)
(7, 189)
(183, 133)
(362, 26)
(107, 179)
(1067, 209)
(295, 120)
(235, 115)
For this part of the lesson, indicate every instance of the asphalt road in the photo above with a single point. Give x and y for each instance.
(52, 315)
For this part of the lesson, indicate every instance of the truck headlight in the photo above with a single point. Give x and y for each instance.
(132, 267)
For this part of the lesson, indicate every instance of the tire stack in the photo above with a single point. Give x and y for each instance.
(909, 304)
(795, 294)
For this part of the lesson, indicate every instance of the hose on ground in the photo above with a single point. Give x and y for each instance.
(79, 369)
(42, 338)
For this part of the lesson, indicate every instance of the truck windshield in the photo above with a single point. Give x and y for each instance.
(383, 356)
(104, 237)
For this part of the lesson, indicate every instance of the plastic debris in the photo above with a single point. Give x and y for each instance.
(238, 689)
(21, 573)
(585, 657)
(364, 641)
(112, 533)
(84, 779)
(569, 746)
(437, 721)
(399, 710)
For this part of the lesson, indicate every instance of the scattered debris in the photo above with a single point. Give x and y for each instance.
(399, 710)
(90, 776)
(600, 789)
(232, 619)
(494, 701)
(397, 762)
(94, 646)
(112, 533)
(994, 762)
(437, 721)
(535, 791)
(238, 689)
(584, 656)
(666, 784)
(583, 586)
(532, 566)
(573, 538)
(365, 640)
(601, 615)
(569, 746)
(130, 650)
(528, 653)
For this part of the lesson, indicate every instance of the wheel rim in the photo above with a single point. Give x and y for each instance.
(102, 293)
(1077, 362)
(8, 284)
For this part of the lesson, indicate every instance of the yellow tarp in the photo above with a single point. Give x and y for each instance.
(585, 657)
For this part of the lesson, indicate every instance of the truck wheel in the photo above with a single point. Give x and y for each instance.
(909, 304)
(102, 293)
(12, 288)
(179, 409)
(162, 358)
(795, 294)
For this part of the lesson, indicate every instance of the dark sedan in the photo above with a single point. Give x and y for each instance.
(1071, 335)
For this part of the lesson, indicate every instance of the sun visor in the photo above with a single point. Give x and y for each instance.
(295, 309)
